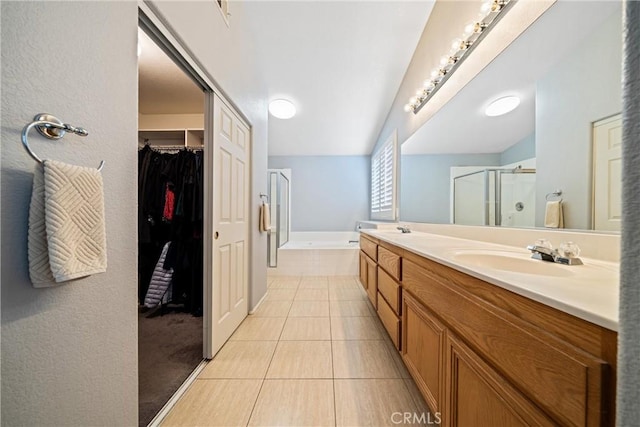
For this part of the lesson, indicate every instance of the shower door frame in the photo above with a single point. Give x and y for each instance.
(275, 210)
(497, 186)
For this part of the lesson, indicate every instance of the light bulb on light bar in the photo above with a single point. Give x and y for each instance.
(496, 6)
(490, 13)
(502, 106)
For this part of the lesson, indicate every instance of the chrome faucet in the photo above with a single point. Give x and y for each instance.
(404, 228)
(567, 255)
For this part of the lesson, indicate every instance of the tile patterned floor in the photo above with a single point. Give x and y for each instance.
(313, 354)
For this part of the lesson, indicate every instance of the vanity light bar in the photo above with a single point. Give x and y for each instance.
(490, 13)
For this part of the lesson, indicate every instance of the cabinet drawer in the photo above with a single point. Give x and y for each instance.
(370, 248)
(390, 290)
(363, 270)
(390, 262)
(372, 281)
(389, 320)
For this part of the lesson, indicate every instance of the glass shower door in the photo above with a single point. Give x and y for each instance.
(472, 195)
(279, 190)
(517, 198)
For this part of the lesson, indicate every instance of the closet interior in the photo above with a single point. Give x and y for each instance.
(170, 227)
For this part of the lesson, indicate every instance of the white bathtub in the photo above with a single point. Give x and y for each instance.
(318, 254)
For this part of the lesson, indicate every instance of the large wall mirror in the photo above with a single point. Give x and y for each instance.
(465, 167)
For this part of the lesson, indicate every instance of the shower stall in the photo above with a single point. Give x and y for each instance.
(279, 189)
(502, 197)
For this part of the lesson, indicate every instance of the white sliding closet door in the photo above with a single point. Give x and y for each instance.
(229, 166)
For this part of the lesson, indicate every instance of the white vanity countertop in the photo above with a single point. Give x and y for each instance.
(588, 291)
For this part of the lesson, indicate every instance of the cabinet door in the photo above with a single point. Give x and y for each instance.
(372, 281)
(363, 270)
(423, 339)
(478, 396)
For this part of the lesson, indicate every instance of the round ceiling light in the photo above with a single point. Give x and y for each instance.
(502, 106)
(282, 109)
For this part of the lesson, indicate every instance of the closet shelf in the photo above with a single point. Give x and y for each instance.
(163, 137)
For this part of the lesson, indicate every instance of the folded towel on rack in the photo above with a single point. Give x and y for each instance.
(66, 238)
(553, 216)
(265, 217)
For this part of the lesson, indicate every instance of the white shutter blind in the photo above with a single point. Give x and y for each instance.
(383, 181)
(375, 184)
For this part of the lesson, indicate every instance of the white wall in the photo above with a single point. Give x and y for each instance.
(328, 193)
(69, 354)
(425, 182)
(227, 54)
(564, 117)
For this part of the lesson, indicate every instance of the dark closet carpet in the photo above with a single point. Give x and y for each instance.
(169, 349)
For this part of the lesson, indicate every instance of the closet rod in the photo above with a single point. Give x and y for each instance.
(170, 147)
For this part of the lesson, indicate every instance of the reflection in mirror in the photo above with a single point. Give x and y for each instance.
(494, 197)
(566, 69)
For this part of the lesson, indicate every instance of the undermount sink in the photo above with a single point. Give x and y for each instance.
(515, 262)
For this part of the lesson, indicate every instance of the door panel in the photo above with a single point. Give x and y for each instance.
(423, 341)
(240, 190)
(230, 227)
(607, 172)
(224, 276)
(478, 396)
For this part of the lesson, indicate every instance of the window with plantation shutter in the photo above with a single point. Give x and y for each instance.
(383, 181)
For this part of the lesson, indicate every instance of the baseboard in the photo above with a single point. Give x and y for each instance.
(160, 416)
(254, 309)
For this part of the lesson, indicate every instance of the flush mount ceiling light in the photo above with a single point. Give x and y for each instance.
(502, 106)
(282, 109)
(490, 13)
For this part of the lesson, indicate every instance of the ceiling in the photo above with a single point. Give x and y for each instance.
(461, 126)
(163, 88)
(340, 62)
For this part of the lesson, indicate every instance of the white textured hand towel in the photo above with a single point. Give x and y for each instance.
(67, 238)
(553, 216)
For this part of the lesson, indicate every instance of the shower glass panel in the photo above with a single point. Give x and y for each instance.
(278, 235)
(518, 198)
(283, 214)
(503, 197)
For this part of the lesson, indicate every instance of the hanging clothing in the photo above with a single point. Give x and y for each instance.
(170, 203)
(160, 286)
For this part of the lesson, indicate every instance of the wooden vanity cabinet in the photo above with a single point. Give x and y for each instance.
(423, 350)
(368, 268)
(508, 359)
(380, 273)
(389, 290)
(363, 270)
(480, 396)
(484, 356)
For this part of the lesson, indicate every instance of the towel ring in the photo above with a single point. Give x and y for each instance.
(556, 193)
(50, 127)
